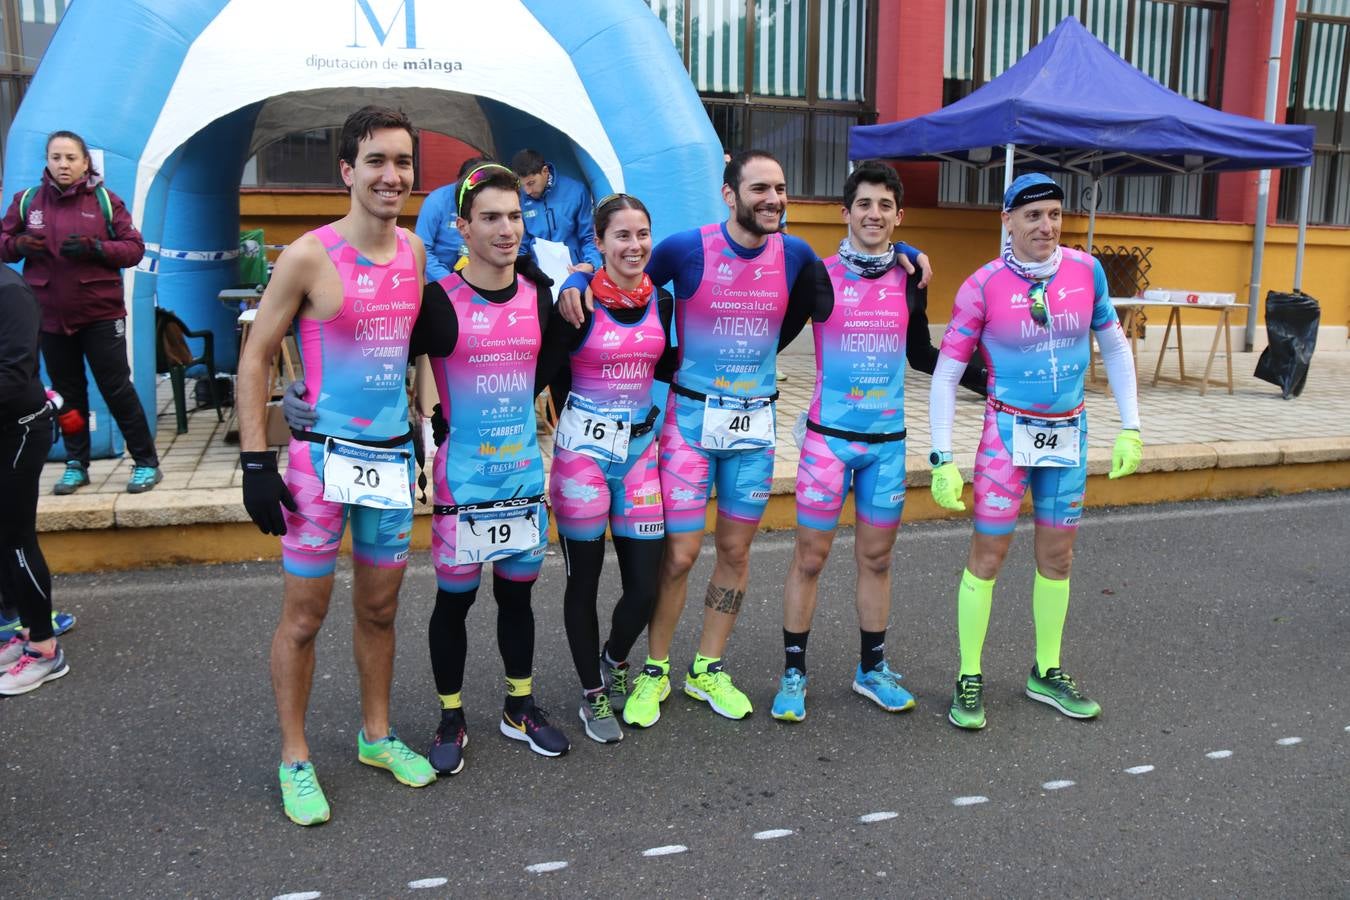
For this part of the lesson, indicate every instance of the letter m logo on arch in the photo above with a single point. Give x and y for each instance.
(366, 9)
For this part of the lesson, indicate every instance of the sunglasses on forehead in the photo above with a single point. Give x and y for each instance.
(478, 176)
(610, 198)
(1038, 311)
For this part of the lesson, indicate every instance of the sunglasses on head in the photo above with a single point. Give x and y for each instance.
(610, 198)
(1037, 310)
(478, 176)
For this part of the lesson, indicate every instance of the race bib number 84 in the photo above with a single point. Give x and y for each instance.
(1045, 442)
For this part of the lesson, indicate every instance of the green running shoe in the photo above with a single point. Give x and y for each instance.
(714, 687)
(1057, 688)
(967, 709)
(301, 796)
(408, 766)
(650, 689)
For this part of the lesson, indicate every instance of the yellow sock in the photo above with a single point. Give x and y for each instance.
(450, 701)
(519, 687)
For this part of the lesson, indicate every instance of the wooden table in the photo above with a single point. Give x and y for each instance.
(1129, 309)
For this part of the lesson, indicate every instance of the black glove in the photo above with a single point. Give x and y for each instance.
(265, 492)
(31, 246)
(440, 429)
(81, 247)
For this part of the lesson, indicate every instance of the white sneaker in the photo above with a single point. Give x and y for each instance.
(32, 671)
(11, 650)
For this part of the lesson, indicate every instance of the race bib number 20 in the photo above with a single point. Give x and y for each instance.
(366, 476)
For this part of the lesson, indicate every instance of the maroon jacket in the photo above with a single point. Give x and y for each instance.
(73, 292)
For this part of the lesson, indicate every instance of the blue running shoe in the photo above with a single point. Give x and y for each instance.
(144, 478)
(789, 704)
(882, 687)
(61, 623)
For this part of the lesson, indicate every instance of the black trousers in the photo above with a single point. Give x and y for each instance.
(104, 345)
(25, 581)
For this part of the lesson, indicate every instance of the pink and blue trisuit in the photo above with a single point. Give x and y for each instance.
(355, 363)
(604, 470)
(1035, 372)
(488, 475)
(855, 426)
(735, 308)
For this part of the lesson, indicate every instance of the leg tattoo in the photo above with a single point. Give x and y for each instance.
(723, 600)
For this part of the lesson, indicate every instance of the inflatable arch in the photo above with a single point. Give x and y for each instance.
(188, 90)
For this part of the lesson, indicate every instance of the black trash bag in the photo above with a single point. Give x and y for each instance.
(1291, 334)
(201, 391)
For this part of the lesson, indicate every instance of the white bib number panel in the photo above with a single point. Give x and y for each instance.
(598, 432)
(730, 423)
(1051, 443)
(366, 476)
(486, 535)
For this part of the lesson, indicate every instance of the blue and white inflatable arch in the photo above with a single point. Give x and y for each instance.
(187, 90)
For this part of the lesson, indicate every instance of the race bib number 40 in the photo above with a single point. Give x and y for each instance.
(731, 423)
(598, 432)
(1045, 442)
(366, 476)
(485, 535)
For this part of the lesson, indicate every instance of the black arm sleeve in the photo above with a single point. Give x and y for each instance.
(811, 296)
(560, 341)
(919, 349)
(665, 366)
(436, 330)
(21, 392)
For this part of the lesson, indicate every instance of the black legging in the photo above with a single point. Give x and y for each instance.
(104, 345)
(449, 641)
(639, 567)
(25, 581)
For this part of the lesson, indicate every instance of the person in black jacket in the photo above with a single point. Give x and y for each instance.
(32, 656)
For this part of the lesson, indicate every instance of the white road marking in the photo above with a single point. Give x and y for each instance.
(1057, 785)
(1219, 754)
(1138, 770)
(303, 895)
(772, 833)
(1289, 741)
(877, 817)
(421, 883)
(668, 850)
(969, 801)
(540, 868)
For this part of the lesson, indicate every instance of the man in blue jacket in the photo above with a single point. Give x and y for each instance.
(436, 224)
(556, 208)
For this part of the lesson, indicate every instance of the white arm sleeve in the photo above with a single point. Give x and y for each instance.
(1119, 365)
(942, 401)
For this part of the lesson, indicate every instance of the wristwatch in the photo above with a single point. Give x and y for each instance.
(938, 457)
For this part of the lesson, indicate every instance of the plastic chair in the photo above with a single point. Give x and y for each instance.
(173, 357)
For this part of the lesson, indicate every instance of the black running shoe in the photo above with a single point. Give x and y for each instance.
(447, 747)
(531, 726)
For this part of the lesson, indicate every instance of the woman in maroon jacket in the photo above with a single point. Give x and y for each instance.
(75, 237)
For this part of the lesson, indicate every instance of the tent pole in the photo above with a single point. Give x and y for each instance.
(1304, 187)
(1263, 188)
(1092, 217)
(1007, 182)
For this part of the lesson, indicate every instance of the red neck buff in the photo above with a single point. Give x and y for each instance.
(611, 295)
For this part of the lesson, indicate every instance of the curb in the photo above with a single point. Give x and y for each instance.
(208, 525)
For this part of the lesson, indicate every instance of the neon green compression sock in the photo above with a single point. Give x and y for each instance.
(1049, 607)
(974, 599)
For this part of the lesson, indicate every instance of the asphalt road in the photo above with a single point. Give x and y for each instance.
(1215, 635)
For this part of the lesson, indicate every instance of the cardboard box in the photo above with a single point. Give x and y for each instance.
(278, 432)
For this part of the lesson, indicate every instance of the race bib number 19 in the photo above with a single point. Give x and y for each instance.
(730, 423)
(491, 534)
(1045, 442)
(366, 476)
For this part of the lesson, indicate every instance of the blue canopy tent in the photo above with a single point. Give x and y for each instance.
(1072, 105)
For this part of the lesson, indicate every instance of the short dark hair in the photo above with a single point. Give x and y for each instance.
(873, 171)
(70, 136)
(608, 206)
(731, 175)
(472, 163)
(528, 162)
(366, 121)
(495, 175)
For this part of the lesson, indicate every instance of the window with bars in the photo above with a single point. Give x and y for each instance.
(1178, 43)
(787, 76)
(1319, 95)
